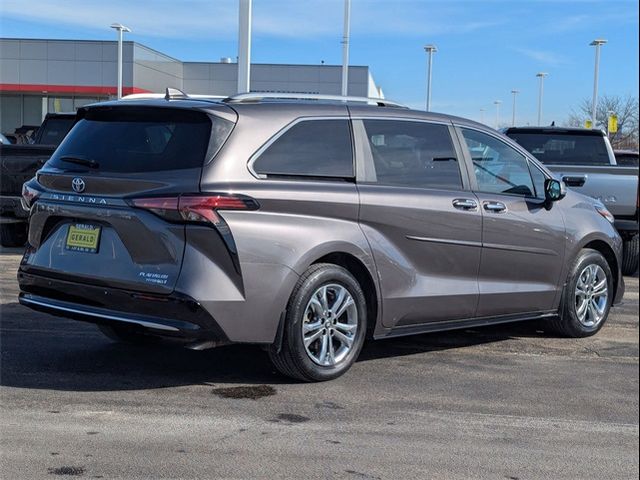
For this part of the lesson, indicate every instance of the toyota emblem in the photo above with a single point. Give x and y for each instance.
(78, 185)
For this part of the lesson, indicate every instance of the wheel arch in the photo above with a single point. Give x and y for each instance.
(364, 277)
(610, 256)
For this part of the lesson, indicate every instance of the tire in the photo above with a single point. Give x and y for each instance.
(13, 234)
(570, 323)
(306, 363)
(630, 255)
(126, 335)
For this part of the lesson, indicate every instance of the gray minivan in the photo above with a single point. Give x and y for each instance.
(306, 225)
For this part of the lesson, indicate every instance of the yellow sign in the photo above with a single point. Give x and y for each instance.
(588, 124)
(83, 238)
(613, 123)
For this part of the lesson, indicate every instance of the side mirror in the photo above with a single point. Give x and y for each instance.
(554, 190)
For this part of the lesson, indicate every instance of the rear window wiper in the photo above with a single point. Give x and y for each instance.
(80, 160)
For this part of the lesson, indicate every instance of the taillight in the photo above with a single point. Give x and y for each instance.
(29, 195)
(195, 208)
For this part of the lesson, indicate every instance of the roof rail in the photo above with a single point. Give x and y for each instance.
(258, 96)
(150, 96)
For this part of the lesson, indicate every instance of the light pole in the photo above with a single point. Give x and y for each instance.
(514, 92)
(121, 29)
(244, 45)
(598, 42)
(497, 104)
(430, 49)
(541, 76)
(345, 48)
(482, 110)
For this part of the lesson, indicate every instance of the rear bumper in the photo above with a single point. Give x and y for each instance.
(172, 316)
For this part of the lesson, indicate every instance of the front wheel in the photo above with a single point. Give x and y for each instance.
(325, 325)
(587, 296)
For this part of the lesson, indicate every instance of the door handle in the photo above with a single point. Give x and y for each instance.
(465, 204)
(574, 180)
(495, 207)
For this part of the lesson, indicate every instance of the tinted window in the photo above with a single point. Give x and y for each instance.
(131, 140)
(310, 148)
(539, 179)
(498, 167)
(564, 149)
(54, 130)
(627, 159)
(413, 154)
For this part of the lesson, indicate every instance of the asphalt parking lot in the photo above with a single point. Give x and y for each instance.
(510, 402)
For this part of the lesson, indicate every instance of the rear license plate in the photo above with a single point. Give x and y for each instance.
(83, 237)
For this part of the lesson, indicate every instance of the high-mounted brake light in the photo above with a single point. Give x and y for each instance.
(195, 208)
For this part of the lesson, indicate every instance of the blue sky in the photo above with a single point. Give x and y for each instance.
(486, 47)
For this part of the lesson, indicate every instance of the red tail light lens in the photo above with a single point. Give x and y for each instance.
(29, 195)
(166, 207)
(195, 208)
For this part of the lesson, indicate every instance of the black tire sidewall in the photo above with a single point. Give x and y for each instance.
(295, 312)
(570, 318)
(13, 234)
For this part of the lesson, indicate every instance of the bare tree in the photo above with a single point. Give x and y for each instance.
(626, 109)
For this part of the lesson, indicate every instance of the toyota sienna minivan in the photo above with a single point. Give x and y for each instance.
(306, 225)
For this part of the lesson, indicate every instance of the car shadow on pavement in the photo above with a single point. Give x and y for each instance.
(42, 352)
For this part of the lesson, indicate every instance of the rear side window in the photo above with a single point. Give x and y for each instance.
(564, 148)
(413, 154)
(129, 140)
(318, 148)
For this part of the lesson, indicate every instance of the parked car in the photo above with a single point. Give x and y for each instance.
(627, 158)
(586, 162)
(19, 163)
(305, 225)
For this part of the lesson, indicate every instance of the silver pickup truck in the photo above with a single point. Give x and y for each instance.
(584, 160)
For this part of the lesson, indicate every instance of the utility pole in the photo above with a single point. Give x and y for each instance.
(541, 76)
(598, 42)
(497, 104)
(430, 49)
(514, 92)
(121, 29)
(244, 46)
(345, 47)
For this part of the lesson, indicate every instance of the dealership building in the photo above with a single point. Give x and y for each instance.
(39, 76)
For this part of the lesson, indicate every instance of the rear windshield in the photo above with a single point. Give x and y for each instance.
(129, 140)
(564, 149)
(54, 130)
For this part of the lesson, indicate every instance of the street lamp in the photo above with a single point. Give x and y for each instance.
(482, 110)
(497, 104)
(514, 92)
(121, 29)
(598, 42)
(245, 16)
(345, 48)
(541, 76)
(430, 49)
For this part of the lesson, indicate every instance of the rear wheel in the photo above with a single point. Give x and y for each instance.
(13, 234)
(630, 255)
(587, 296)
(325, 325)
